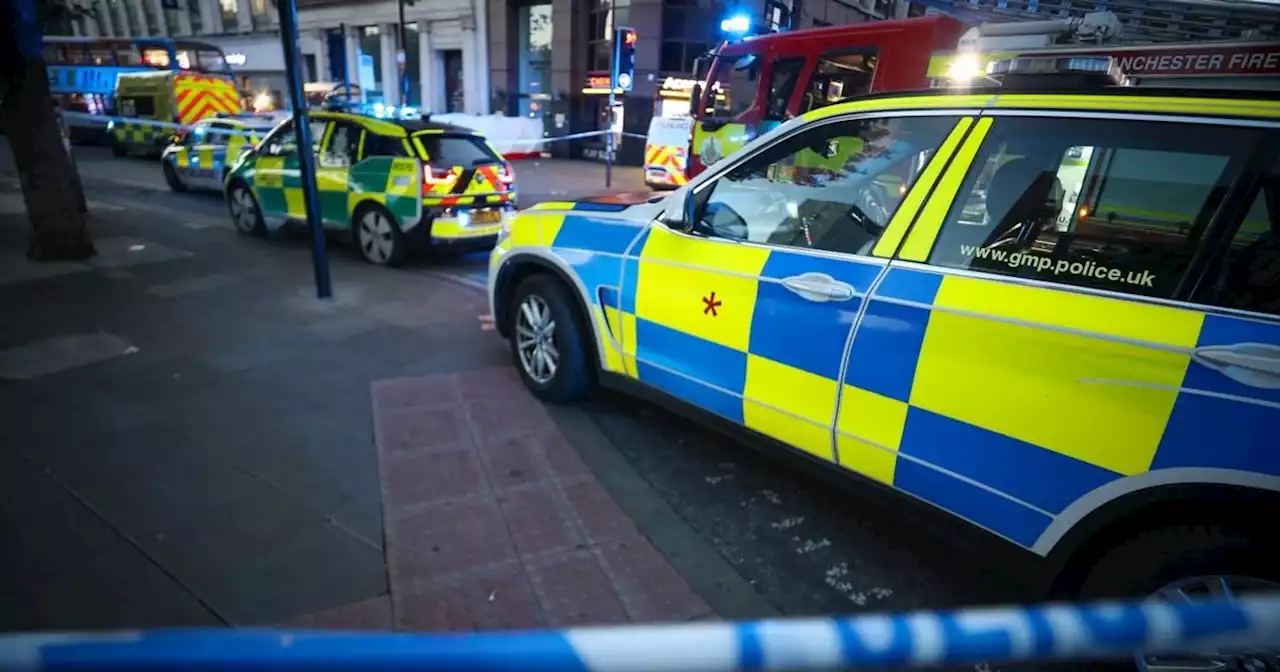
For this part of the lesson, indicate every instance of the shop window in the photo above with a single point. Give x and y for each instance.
(229, 14)
(1116, 205)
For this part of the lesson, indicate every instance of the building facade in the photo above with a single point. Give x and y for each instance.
(445, 61)
(247, 30)
(551, 58)
(357, 41)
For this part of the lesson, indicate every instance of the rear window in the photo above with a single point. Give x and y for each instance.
(456, 150)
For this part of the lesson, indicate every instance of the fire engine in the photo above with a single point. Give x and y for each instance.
(758, 82)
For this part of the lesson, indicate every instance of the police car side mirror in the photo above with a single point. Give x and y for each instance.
(684, 217)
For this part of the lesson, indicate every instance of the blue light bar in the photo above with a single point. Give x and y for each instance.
(738, 24)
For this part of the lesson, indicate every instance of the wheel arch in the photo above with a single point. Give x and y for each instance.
(522, 264)
(1109, 514)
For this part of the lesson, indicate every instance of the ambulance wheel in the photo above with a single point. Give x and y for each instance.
(378, 237)
(245, 212)
(171, 176)
(549, 341)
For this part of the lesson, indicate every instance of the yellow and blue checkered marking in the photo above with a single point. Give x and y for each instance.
(1001, 402)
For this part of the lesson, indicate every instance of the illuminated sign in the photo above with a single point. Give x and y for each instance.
(237, 59)
(598, 82)
(681, 84)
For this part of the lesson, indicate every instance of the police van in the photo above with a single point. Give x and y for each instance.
(396, 186)
(1063, 327)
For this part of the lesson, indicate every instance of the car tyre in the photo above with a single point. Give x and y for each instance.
(245, 212)
(549, 341)
(171, 177)
(377, 236)
(117, 147)
(1149, 563)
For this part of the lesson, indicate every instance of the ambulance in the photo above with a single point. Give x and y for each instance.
(151, 103)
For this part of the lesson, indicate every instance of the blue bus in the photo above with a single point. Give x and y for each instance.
(83, 70)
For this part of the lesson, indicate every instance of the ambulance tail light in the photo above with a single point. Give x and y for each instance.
(433, 177)
(506, 174)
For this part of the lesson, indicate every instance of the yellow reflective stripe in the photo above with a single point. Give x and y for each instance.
(920, 241)
(1143, 104)
(897, 229)
(360, 147)
(552, 205)
(899, 103)
(422, 151)
(408, 149)
(324, 137)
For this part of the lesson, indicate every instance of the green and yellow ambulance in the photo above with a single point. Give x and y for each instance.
(397, 186)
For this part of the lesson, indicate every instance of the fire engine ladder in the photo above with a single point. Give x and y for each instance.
(1143, 21)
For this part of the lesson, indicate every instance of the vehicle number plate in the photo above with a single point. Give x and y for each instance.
(487, 216)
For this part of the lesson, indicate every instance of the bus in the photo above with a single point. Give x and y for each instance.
(83, 70)
(758, 82)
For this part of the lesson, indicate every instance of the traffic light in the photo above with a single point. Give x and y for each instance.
(624, 58)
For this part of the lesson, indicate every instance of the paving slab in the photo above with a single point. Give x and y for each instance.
(494, 522)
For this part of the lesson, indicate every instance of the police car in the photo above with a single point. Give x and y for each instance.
(1062, 327)
(397, 186)
(201, 155)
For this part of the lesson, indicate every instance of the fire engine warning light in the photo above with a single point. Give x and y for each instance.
(738, 23)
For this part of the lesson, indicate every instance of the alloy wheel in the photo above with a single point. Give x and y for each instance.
(375, 237)
(244, 212)
(1215, 587)
(535, 339)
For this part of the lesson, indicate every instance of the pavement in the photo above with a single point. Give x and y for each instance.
(196, 428)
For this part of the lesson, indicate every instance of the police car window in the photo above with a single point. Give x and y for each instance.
(839, 75)
(1249, 276)
(285, 140)
(1117, 205)
(382, 145)
(220, 133)
(833, 187)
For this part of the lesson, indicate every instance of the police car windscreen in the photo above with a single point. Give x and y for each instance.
(457, 150)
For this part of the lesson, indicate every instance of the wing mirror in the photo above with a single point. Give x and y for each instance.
(685, 217)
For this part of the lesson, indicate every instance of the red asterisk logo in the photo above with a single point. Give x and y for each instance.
(711, 303)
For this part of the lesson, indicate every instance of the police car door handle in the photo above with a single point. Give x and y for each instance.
(1253, 364)
(819, 287)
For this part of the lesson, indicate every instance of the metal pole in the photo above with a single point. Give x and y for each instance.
(402, 61)
(613, 87)
(306, 157)
(346, 67)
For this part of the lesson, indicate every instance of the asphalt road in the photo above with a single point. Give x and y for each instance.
(806, 546)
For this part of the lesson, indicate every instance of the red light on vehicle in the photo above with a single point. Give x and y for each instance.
(437, 177)
(506, 174)
(629, 37)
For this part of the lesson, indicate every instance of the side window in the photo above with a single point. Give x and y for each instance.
(219, 133)
(833, 187)
(1117, 205)
(1249, 277)
(782, 82)
(838, 75)
(382, 145)
(343, 145)
(733, 90)
(281, 141)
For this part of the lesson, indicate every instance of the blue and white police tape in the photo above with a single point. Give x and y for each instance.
(86, 119)
(927, 638)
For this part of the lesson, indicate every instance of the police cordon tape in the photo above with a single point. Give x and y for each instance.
(92, 120)
(920, 639)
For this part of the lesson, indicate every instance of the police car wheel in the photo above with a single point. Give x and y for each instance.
(378, 238)
(548, 341)
(118, 148)
(245, 212)
(171, 177)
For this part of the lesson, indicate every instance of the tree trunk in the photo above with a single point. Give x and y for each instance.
(50, 184)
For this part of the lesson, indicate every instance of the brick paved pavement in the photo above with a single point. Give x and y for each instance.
(494, 522)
